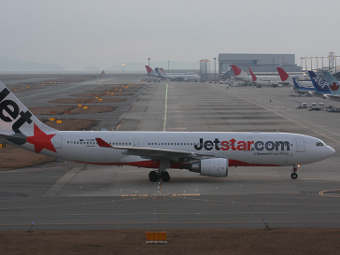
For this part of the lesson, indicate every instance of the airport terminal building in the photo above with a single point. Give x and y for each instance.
(258, 62)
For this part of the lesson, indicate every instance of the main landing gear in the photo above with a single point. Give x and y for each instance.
(161, 174)
(294, 174)
(155, 176)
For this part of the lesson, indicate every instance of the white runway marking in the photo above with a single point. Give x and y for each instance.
(53, 191)
(330, 193)
(162, 195)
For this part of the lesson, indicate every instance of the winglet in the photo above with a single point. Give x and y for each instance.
(102, 143)
(236, 69)
(253, 76)
(283, 75)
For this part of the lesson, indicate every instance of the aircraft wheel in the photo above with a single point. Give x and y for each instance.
(153, 176)
(294, 176)
(165, 176)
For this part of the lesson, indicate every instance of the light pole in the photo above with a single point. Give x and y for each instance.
(214, 69)
(311, 63)
(168, 66)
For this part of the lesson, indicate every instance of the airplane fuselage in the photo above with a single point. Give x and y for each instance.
(240, 148)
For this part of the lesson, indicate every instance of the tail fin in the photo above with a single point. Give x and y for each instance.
(320, 84)
(159, 72)
(283, 75)
(253, 76)
(148, 69)
(18, 125)
(296, 84)
(237, 71)
(333, 83)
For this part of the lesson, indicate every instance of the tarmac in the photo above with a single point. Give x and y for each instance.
(66, 195)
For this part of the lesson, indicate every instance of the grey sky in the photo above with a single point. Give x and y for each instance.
(76, 34)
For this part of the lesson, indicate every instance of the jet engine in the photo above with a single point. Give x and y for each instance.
(216, 167)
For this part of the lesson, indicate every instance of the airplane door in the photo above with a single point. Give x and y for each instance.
(300, 145)
(58, 141)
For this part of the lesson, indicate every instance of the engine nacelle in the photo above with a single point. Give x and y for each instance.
(216, 167)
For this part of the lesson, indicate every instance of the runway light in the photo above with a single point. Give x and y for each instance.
(59, 121)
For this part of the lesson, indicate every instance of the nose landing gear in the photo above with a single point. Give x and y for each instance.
(294, 174)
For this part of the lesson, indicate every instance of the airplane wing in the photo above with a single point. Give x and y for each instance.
(155, 153)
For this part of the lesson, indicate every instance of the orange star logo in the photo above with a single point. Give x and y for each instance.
(41, 140)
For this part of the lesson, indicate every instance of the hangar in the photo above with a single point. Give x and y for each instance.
(258, 62)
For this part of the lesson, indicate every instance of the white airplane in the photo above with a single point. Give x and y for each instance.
(286, 79)
(297, 87)
(151, 73)
(240, 75)
(177, 76)
(250, 77)
(207, 153)
(261, 81)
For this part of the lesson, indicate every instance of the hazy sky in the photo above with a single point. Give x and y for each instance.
(99, 33)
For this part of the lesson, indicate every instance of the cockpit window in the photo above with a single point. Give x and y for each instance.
(319, 144)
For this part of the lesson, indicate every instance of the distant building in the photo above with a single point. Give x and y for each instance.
(258, 62)
(204, 68)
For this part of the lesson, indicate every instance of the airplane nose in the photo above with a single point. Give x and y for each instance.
(331, 150)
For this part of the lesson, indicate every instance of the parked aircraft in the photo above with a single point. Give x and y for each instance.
(151, 73)
(325, 85)
(301, 89)
(240, 75)
(320, 85)
(177, 76)
(251, 78)
(300, 86)
(261, 81)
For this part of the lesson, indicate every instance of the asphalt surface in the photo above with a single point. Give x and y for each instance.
(65, 195)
